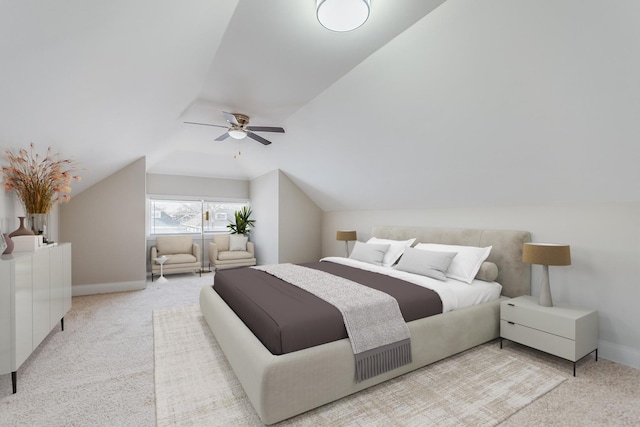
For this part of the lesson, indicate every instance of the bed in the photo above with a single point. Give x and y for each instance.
(282, 386)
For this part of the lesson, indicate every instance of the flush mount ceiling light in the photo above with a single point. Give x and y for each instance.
(342, 15)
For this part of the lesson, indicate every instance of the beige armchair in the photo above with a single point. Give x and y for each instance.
(221, 256)
(183, 255)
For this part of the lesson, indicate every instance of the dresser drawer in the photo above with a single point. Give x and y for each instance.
(548, 319)
(552, 344)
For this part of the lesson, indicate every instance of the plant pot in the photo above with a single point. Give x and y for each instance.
(39, 224)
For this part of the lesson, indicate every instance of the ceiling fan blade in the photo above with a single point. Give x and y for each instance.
(265, 129)
(206, 124)
(258, 138)
(230, 118)
(222, 137)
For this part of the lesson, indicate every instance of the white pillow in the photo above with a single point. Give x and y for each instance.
(465, 264)
(396, 248)
(368, 252)
(432, 264)
(238, 242)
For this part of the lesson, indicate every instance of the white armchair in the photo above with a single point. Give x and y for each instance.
(183, 255)
(222, 254)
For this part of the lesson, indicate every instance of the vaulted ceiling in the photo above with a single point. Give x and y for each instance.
(429, 104)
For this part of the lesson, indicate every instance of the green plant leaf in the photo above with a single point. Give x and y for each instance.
(243, 223)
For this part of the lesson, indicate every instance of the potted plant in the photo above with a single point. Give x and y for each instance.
(39, 181)
(243, 222)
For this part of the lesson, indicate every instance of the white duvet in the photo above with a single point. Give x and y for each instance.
(453, 293)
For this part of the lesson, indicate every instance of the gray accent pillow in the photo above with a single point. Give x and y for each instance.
(369, 252)
(466, 264)
(396, 248)
(425, 263)
(488, 272)
(238, 242)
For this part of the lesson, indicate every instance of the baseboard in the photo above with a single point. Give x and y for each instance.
(107, 288)
(620, 354)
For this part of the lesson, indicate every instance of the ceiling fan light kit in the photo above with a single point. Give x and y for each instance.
(238, 128)
(237, 133)
(342, 15)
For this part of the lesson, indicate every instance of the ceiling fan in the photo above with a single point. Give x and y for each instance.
(239, 128)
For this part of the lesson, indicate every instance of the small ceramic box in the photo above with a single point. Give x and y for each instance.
(27, 243)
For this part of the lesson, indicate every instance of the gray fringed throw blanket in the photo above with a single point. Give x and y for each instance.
(379, 336)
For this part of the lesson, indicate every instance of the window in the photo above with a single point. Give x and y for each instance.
(190, 216)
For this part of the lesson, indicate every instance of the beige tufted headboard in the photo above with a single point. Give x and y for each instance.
(513, 274)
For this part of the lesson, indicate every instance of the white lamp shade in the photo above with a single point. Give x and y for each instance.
(237, 133)
(342, 15)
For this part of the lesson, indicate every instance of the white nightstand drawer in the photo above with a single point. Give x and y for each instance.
(544, 341)
(541, 318)
(562, 330)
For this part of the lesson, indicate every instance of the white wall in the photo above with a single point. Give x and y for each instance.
(537, 99)
(605, 251)
(106, 226)
(264, 204)
(300, 223)
(199, 187)
(288, 223)
(8, 215)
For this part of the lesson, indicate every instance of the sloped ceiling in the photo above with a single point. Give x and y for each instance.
(431, 104)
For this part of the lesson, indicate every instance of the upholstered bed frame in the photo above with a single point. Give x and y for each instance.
(283, 386)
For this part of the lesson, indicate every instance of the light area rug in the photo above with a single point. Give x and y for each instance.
(483, 386)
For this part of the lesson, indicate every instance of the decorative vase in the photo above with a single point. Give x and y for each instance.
(22, 230)
(39, 224)
(9, 243)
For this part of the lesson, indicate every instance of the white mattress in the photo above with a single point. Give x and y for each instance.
(453, 293)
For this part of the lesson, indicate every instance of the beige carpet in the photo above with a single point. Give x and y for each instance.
(483, 386)
(100, 371)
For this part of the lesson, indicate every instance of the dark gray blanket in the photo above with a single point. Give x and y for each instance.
(379, 336)
(286, 318)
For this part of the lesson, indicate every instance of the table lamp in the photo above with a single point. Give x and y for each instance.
(346, 236)
(546, 254)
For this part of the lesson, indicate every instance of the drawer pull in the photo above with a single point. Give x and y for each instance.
(511, 323)
(512, 305)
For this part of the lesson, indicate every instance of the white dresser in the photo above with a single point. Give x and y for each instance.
(561, 330)
(35, 294)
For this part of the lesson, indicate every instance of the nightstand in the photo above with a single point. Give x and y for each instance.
(561, 330)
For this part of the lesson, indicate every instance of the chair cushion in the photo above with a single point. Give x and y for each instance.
(221, 265)
(229, 255)
(168, 245)
(180, 259)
